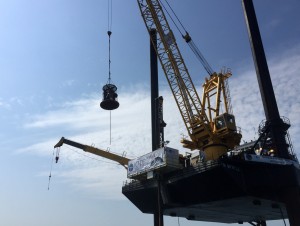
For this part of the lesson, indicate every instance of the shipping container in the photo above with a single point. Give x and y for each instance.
(163, 159)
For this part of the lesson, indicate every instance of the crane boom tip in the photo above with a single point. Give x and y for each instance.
(60, 143)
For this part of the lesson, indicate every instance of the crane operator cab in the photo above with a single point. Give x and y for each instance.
(110, 97)
(225, 122)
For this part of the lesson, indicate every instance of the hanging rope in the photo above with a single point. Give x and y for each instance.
(109, 15)
(109, 27)
(109, 127)
(51, 169)
(109, 61)
(57, 154)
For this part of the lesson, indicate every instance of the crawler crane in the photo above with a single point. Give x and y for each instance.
(210, 131)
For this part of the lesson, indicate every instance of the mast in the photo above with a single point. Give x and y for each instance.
(274, 123)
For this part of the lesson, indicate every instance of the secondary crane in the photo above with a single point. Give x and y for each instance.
(210, 131)
(122, 160)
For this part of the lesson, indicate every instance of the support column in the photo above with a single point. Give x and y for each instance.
(154, 92)
(155, 121)
(290, 196)
(264, 81)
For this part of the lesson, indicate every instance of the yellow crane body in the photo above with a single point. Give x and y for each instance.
(122, 160)
(201, 128)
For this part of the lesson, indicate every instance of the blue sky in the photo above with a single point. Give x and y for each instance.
(53, 64)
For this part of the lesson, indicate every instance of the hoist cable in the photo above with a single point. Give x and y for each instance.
(87, 156)
(109, 15)
(51, 169)
(107, 149)
(171, 17)
(176, 16)
(110, 127)
(109, 61)
(109, 27)
(188, 39)
(200, 57)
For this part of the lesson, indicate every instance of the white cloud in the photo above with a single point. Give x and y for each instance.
(103, 181)
(131, 125)
(16, 100)
(69, 82)
(8, 104)
(272, 24)
(246, 96)
(4, 105)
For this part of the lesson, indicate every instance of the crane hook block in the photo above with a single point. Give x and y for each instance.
(110, 97)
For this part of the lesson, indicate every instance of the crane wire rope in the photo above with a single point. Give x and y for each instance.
(174, 15)
(200, 57)
(109, 127)
(109, 61)
(130, 157)
(109, 27)
(187, 38)
(175, 24)
(109, 15)
(51, 170)
(87, 156)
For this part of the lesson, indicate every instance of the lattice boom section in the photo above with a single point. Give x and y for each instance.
(173, 65)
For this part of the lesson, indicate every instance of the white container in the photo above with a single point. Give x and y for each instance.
(166, 159)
